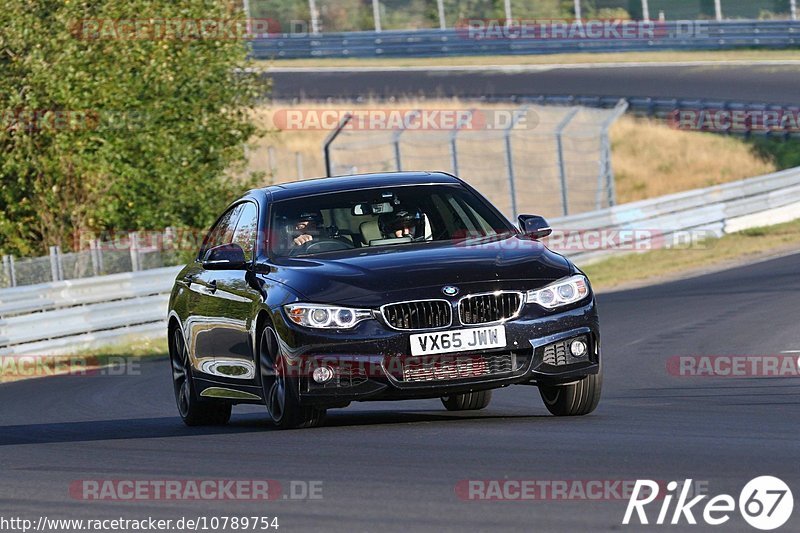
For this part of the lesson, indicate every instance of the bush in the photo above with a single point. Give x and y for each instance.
(102, 133)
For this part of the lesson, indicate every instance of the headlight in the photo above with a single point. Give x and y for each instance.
(564, 292)
(326, 316)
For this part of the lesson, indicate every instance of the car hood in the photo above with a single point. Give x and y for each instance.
(372, 277)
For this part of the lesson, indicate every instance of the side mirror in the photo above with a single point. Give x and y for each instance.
(225, 257)
(534, 226)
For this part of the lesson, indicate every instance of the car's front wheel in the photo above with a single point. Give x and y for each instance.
(193, 411)
(470, 401)
(576, 399)
(280, 389)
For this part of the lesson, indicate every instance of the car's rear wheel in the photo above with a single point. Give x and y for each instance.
(470, 401)
(280, 389)
(576, 399)
(193, 411)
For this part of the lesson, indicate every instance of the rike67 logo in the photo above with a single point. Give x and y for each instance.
(765, 503)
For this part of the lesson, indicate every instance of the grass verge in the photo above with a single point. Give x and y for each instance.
(669, 56)
(730, 250)
(118, 359)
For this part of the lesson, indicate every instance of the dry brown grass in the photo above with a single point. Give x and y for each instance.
(649, 158)
(728, 251)
(543, 59)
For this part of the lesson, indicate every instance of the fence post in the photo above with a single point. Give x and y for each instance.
(606, 170)
(440, 8)
(562, 169)
(312, 9)
(326, 146)
(454, 144)
(134, 241)
(507, 10)
(13, 270)
(454, 152)
(54, 267)
(7, 269)
(398, 162)
(93, 253)
(519, 113)
(376, 15)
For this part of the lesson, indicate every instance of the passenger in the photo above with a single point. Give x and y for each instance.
(402, 223)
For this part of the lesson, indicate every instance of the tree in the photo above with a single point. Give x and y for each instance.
(114, 120)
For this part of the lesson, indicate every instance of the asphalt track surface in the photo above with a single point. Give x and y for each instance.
(772, 84)
(395, 466)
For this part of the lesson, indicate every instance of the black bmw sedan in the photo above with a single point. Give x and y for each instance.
(307, 296)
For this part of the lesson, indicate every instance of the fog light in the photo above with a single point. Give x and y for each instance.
(322, 374)
(578, 348)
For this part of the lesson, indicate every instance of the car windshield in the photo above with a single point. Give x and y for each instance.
(391, 216)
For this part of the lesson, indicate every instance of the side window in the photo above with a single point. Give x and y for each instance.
(222, 232)
(247, 229)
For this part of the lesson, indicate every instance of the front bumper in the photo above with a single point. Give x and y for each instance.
(369, 361)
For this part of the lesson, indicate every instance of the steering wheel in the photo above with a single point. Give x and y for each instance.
(321, 245)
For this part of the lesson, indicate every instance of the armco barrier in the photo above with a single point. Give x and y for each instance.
(673, 35)
(718, 210)
(66, 316)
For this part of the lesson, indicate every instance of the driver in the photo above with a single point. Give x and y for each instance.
(402, 223)
(307, 227)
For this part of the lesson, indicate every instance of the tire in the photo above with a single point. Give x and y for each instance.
(577, 399)
(279, 390)
(193, 411)
(470, 401)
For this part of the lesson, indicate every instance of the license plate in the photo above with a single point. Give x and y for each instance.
(462, 340)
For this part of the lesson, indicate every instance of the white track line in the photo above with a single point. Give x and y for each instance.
(511, 69)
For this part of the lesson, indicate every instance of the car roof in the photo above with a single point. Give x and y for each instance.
(298, 189)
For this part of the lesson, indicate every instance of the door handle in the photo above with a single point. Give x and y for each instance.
(189, 279)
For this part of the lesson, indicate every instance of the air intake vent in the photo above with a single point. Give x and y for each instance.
(423, 314)
(488, 308)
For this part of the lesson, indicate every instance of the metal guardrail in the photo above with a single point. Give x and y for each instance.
(667, 109)
(65, 316)
(671, 35)
(713, 211)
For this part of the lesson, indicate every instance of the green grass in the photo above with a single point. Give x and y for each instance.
(731, 249)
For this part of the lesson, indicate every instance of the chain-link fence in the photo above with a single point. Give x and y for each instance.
(311, 16)
(552, 161)
(132, 252)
